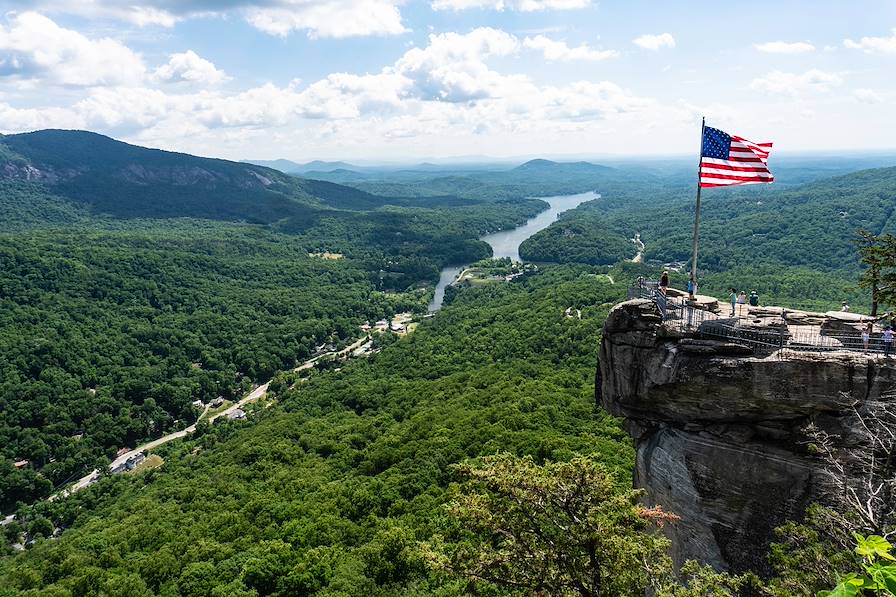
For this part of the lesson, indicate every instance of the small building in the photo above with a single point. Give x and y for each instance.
(216, 402)
(132, 462)
(21, 463)
(198, 404)
(236, 414)
(129, 464)
(382, 324)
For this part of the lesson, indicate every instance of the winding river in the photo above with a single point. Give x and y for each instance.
(506, 243)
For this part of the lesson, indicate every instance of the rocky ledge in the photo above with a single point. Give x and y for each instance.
(719, 432)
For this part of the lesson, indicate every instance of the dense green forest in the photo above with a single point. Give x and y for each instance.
(111, 326)
(585, 239)
(152, 315)
(329, 491)
(107, 336)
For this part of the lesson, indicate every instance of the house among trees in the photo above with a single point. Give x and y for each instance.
(129, 464)
(236, 414)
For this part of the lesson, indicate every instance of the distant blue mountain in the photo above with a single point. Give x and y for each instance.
(290, 167)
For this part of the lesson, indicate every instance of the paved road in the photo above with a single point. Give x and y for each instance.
(252, 396)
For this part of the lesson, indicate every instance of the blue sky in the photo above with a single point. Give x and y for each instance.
(408, 80)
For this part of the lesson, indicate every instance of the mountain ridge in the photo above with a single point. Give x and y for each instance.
(124, 180)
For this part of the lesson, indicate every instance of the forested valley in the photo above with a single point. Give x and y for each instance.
(133, 284)
(112, 326)
(330, 490)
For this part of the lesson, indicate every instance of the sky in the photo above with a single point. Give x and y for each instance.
(411, 80)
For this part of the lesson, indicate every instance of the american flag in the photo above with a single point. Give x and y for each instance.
(729, 160)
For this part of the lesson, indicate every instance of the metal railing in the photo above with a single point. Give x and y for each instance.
(764, 334)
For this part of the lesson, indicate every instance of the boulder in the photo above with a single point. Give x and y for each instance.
(838, 323)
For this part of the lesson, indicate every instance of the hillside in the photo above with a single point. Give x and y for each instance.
(128, 181)
(329, 491)
(791, 242)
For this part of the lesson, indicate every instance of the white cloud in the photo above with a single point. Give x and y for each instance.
(34, 47)
(189, 67)
(783, 47)
(447, 86)
(319, 18)
(777, 82)
(329, 18)
(344, 95)
(17, 120)
(559, 51)
(867, 96)
(655, 42)
(452, 67)
(882, 45)
(516, 5)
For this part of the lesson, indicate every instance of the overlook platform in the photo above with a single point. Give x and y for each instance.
(763, 330)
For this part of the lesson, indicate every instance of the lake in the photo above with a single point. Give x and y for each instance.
(506, 243)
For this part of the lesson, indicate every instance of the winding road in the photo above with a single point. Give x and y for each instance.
(252, 396)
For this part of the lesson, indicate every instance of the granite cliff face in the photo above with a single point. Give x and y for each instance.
(719, 431)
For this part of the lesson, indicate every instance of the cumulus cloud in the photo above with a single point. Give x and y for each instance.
(516, 5)
(34, 47)
(453, 68)
(189, 67)
(329, 18)
(867, 96)
(655, 42)
(559, 51)
(777, 82)
(783, 47)
(447, 86)
(319, 18)
(881, 45)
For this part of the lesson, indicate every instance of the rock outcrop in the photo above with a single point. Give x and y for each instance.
(719, 431)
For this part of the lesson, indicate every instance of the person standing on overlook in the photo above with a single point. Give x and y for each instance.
(866, 336)
(845, 307)
(888, 340)
(733, 301)
(664, 282)
(754, 299)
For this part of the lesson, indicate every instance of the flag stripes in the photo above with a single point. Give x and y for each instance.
(728, 160)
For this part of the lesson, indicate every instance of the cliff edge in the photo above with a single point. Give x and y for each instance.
(718, 429)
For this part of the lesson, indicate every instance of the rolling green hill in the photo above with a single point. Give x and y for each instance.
(793, 243)
(127, 181)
